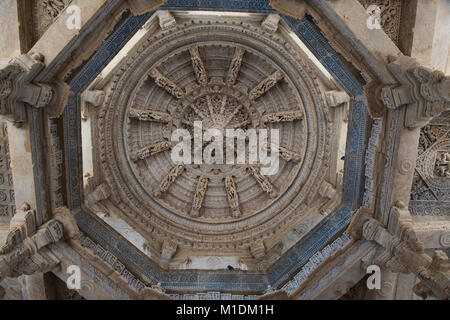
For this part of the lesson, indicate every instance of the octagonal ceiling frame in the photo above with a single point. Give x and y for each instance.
(297, 256)
(394, 158)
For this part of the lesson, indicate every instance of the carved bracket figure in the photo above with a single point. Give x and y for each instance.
(265, 85)
(199, 196)
(405, 250)
(426, 92)
(25, 250)
(17, 88)
(232, 196)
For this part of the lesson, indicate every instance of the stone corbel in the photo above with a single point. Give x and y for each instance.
(424, 91)
(270, 23)
(142, 6)
(293, 8)
(100, 193)
(336, 98)
(168, 249)
(258, 250)
(25, 250)
(435, 278)
(166, 19)
(328, 191)
(93, 98)
(17, 88)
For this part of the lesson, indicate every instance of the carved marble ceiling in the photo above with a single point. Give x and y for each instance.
(192, 230)
(228, 73)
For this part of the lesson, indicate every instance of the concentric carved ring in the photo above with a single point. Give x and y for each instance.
(227, 76)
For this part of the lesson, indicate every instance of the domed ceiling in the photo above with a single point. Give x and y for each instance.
(227, 73)
(205, 226)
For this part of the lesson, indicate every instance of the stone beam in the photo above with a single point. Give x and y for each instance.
(99, 281)
(10, 45)
(433, 233)
(21, 164)
(346, 24)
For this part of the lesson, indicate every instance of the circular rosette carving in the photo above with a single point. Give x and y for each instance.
(226, 76)
(433, 165)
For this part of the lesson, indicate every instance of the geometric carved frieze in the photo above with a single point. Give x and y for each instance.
(433, 166)
(7, 200)
(45, 12)
(430, 189)
(390, 15)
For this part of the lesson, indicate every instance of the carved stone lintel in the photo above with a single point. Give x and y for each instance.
(270, 23)
(166, 20)
(424, 91)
